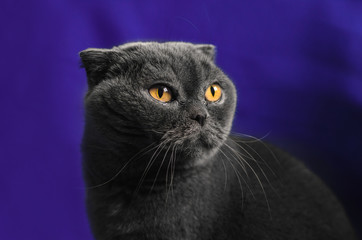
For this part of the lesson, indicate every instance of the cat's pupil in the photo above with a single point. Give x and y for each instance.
(212, 89)
(160, 92)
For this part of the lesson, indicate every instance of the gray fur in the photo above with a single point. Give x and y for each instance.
(155, 171)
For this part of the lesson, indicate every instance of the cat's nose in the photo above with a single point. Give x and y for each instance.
(199, 118)
(198, 113)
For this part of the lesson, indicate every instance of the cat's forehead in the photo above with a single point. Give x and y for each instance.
(182, 69)
(170, 61)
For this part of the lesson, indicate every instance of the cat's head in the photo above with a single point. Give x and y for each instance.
(163, 93)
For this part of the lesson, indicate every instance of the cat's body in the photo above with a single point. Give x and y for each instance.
(160, 169)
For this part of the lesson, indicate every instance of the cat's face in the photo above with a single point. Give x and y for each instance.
(165, 93)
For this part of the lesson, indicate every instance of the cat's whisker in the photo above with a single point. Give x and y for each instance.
(150, 163)
(238, 162)
(159, 131)
(257, 163)
(135, 157)
(260, 157)
(254, 139)
(260, 182)
(225, 174)
(173, 169)
(247, 155)
(169, 168)
(268, 166)
(238, 175)
(252, 158)
(166, 176)
(159, 169)
(266, 146)
(265, 162)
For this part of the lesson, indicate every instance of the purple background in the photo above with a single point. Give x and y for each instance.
(297, 66)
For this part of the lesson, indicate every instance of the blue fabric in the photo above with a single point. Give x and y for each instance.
(297, 66)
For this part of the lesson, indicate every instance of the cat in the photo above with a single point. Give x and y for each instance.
(159, 161)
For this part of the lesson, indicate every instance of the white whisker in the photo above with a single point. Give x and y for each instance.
(124, 166)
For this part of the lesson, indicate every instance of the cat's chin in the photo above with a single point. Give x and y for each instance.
(199, 157)
(198, 152)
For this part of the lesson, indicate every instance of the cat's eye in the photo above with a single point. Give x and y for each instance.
(213, 93)
(161, 93)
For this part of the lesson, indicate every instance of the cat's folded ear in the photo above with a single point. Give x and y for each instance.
(96, 63)
(207, 49)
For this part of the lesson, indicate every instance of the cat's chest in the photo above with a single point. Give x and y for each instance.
(157, 217)
(182, 210)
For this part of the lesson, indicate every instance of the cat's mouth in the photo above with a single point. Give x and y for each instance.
(194, 137)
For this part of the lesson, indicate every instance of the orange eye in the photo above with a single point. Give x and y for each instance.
(213, 93)
(161, 93)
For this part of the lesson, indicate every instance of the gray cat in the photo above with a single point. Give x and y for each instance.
(159, 162)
